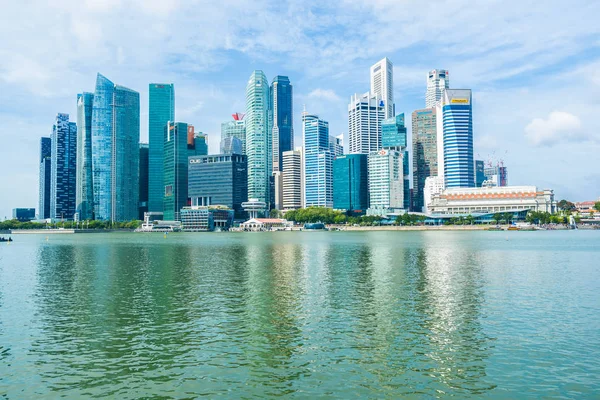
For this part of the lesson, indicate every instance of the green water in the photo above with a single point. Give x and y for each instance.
(301, 314)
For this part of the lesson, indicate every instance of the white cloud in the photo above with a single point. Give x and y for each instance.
(559, 127)
(326, 94)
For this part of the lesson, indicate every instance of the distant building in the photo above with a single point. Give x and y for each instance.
(220, 179)
(434, 185)
(84, 193)
(64, 162)
(393, 133)
(438, 80)
(176, 155)
(386, 181)
(424, 152)
(292, 179)
(199, 146)
(350, 183)
(235, 128)
(45, 177)
(231, 145)
(496, 175)
(479, 173)
(144, 164)
(382, 85)
(492, 200)
(281, 118)
(336, 145)
(23, 214)
(277, 190)
(318, 162)
(203, 219)
(365, 115)
(161, 110)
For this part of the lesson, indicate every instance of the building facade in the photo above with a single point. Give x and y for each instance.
(259, 147)
(84, 193)
(23, 214)
(231, 145)
(292, 179)
(143, 174)
(393, 133)
(386, 181)
(479, 173)
(281, 123)
(63, 178)
(318, 162)
(424, 152)
(115, 151)
(496, 175)
(351, 183)
(434, 185)
(235, 128)
(365, 115)
(438, 80)
(382, 85)
(45, 177)
(175, 168)
(220, 179)
(161, 109)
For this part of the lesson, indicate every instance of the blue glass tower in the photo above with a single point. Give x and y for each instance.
(479, 173)
(457, 120)
(350, 183)
(115, 151)
(63, 175)
(161, 109)
(176, 155)
(85, 191)
(318, 162)
(393, 133)
(280, 116)
(45, 177)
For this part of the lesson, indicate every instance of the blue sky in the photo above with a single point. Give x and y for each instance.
(534, 69)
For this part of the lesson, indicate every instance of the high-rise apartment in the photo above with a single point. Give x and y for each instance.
(161, 109)
(258, 138)
(318, 162)
(84, 195)
(455, 149)
(350, 183)
(382, 85)
(292, 179)
(45, 177)
(438, 81)
(281, 112)
(365, 114)
(115, 151)
(424, 152)
(64, 168)
(235, 128)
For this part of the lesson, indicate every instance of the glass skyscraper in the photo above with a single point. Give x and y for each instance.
(85, 191)
(318, 162)
(176, 155)
(63, 174)
(350, 183)
(479, 173)
(45, 177)
(235, 128)
(161, 109)
(281, 112)
(115, 151)
(143, 197)
(424, 152)
(393, 133)
(258, 138)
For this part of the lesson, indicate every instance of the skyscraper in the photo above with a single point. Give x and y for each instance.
(479, 173)
(350, 183)
(318, 162)
(115, 151)
(45, 177)
(258, 138)
(455, 150)
(84, 201)
(64, 168)
(161, 110)
(143, 197)
(393, 133)
(386, 181)
(235, 128)
(382, 85)
(424, 148)
(281, 112)
(292, 179)
(176, 155)
(336, 145)
(231, 145)
(438, 80)
(365, 114)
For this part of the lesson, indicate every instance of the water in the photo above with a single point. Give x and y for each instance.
(299, 314)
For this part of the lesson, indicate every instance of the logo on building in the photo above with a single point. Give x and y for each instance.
(195, 161)
(460, 101)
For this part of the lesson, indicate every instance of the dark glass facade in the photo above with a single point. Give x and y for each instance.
(45, 175)
(424, 147)
(350, 183)
(85, 191)
(219, 180)
(63, 168)
(280, 115)
(393, 133)
(479, 173)
(176, 152)
(23, 214)
(144, 151)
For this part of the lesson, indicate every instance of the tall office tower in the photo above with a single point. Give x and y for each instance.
(84, 193)
(235, 128)
(64, 168)
(424, 152)
(115, 151)
(200, 144)
(386, 181)
(393, 133)
(292, 179)
(318, 162)
(479, 173)
(382, 85)
(350, 183)
(143, 197)
(161, 109)
(176, 155)
(231, 145)
(258, 139)
(220, 179)
(365, 114)
(281, 112)
(455, 150)
(45, 175)
(336, 145)
(438, 81)
(406, 172)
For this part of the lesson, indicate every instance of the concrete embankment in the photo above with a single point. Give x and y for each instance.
(63, 231)
(412, 228)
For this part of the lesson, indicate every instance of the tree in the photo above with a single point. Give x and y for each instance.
(566, 205)
(497, 217)
(275, 213)
(597, 206)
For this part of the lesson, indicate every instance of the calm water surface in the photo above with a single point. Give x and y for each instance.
(348, 314)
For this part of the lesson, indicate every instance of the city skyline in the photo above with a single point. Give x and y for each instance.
(553, 113)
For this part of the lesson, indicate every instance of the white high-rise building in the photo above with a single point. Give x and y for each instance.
(382, 84)
(386, 181)
(438, 81)
(292, 179)
(336, 145)
(365, 115)
(434, 185)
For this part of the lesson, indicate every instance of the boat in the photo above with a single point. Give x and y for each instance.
(3, 239)
(494, 228)
(513, 228)
(315, 226)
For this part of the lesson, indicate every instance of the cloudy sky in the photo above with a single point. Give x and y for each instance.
(534, 68)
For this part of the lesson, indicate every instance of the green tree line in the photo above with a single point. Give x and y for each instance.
(16, 224)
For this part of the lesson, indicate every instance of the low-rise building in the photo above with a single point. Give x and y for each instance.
(586, 208)
(265, 224)
(23, 214)
(206, 218)
(492, 200)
